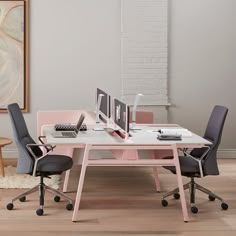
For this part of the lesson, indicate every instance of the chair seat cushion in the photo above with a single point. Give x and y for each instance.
(189, 167)
(54, 164)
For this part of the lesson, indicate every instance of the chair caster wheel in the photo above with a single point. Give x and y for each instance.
(39, 212)
(69, 206)
(10, 206)
(164, 203)
(176, 196)
(211, 198)
(224, 206)
(194, 210)
(22, 199)
(57, 199)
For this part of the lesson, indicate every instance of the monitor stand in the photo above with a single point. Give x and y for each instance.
(133, 126)
(98, 128)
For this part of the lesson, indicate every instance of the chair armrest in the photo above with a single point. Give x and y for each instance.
(38, 158)
(48, 147)
(185, 151)
(40, 138)
(199, 159)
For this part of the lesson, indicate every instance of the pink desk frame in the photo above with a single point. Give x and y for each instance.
(123, 162)
(155, 159)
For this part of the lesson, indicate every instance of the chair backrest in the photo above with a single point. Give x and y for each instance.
(22, 137)
(213, 133)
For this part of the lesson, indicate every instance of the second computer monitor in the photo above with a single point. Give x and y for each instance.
(121, 115)
(105, 105)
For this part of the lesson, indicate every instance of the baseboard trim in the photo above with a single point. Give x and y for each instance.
(9, 153)
(226, 153)
(222, 153)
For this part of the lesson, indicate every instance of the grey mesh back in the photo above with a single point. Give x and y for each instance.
(22, 137)
(213, 133)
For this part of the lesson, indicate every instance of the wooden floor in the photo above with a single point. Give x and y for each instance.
(123, 201)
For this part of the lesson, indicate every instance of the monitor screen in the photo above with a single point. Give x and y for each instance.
(121, 114)
(105, 106)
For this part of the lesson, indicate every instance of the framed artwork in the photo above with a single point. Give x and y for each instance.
(14, 54)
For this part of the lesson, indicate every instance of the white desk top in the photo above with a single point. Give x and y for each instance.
(144, 136)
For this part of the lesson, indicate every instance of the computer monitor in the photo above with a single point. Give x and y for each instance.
(104, 109)
(121, 115)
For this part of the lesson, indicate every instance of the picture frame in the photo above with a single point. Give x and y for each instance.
(14, 54)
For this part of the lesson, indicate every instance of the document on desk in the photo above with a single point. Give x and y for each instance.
(176, 131)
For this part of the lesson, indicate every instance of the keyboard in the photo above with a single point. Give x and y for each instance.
(68, 134)
(83, 127)
(69, 127)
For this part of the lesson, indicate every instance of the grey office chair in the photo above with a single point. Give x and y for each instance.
(201, 162)
(33, 161)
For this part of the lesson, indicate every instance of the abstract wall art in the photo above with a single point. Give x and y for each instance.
(14, 54)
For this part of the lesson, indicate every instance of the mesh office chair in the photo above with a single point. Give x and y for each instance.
(33, 161)
(201, 162)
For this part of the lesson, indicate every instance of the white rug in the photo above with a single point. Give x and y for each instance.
(13, 180)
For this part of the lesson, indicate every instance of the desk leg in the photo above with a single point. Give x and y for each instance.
(67, 175)
(66, 180)
(180, 185)
(155, 174)
(1, 163)
(81, 183)
(156, 178)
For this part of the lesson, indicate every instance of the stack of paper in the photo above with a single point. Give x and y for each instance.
(178, 131)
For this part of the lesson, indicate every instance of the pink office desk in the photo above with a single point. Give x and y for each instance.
(52, 117)
(144, 139)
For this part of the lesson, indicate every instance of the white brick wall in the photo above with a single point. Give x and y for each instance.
(144, 50)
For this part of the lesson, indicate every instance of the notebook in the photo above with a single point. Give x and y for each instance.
(176, 131)
(70, 133)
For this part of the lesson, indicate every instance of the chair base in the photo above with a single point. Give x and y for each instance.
(193, 186)
(41, 187)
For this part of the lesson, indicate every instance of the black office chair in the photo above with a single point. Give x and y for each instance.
(201, 162)
(33, 161)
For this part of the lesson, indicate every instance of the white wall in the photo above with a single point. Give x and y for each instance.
(75, 47)
(202, 63)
